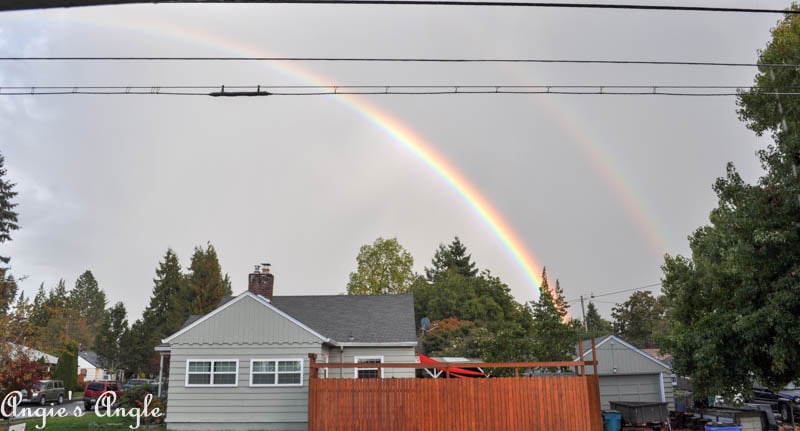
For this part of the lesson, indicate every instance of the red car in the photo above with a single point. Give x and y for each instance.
(94, 390)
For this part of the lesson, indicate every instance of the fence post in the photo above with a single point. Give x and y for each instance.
(312, 369)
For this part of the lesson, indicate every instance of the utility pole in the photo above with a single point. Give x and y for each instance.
(583, 313)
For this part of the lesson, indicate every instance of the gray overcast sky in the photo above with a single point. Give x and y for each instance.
(598, 188)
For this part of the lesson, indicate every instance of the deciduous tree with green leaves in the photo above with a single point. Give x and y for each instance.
(736, 300)
(641, 319)
(383, 267)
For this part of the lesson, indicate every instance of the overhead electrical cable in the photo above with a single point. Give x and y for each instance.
(409, 60)
(420, 90)
(39, 4)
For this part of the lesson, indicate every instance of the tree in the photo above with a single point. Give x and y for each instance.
(641, 319)
(205, 284)
(596, 326)
(87, 303)
(554, 337)
(8, 217)
(384, 267)
(453, 257)
(109, 346)
(67, 366)
(162, 315)
(735, 300)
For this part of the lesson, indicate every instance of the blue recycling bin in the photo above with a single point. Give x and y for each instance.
(723, 428)
(612, 420)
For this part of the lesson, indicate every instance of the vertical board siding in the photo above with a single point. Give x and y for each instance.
(563, 403)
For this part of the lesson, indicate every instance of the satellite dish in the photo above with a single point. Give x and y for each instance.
(425, 323)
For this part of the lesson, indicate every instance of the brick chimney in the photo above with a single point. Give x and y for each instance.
(261, 282)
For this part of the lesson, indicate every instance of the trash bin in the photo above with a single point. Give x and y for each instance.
(612, 420)
(723, 427)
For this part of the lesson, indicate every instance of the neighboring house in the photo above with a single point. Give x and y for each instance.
(629, 374)
(33, 355)
(91, 367)
(245, 365)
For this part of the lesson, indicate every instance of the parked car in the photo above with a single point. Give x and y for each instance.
(45, 391)
(136, 382)
(783, 402)
(94, 390)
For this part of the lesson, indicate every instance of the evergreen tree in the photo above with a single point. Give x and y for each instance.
(89, 301)
(163, 315)
(206, 286)
(39, 313)
(109, 339)
(554, 338)
(136, 346)
(596, 326)
(67, 366)
(384, 267)
(8, 291)
(8, 217)
(452, 257)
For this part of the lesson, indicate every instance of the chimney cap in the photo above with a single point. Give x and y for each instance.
(266, 264)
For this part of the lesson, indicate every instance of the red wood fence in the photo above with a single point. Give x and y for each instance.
(541, 403)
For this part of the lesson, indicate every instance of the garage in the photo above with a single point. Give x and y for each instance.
(628, 373)
(643, 387)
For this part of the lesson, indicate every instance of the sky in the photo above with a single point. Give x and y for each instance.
(596, 188)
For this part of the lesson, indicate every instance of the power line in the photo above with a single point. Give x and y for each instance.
(593, 296)
(418, 90)
(38, 4)
(411, 60)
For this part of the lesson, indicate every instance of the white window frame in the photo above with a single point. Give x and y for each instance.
(276, 360)
(212, 385)
(356, 359)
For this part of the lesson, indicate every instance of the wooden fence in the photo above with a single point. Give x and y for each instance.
(560, 402)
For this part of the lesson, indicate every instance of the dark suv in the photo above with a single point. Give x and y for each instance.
(94, 390)
(784, 402)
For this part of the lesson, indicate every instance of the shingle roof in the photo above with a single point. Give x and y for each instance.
(354, 318)
(91, 357)
(191, 319)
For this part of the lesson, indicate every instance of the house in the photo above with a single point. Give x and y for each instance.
(90, 366)
(16, 350)
(629, 374)
(245, 365)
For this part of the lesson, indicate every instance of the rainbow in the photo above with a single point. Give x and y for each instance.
(416, 145)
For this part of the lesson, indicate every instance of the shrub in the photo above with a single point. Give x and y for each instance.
(134, 397)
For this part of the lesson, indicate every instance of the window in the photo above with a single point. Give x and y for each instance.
(276, 372)
(368, 373)
(208, 372)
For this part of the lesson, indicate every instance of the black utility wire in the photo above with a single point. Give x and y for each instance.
(408, 60)
(415, 90)
(38, 4)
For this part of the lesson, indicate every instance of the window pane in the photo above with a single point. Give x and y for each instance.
(263, 366)
(289, 379)
(225, 366)
(367, 374)
(288, 366)
(199, 379)
(200, 366)
(263, 379)
(224, 379)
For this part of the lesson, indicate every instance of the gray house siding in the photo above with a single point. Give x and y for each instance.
(246, 322)
(389, 354)
(628, 375)
(242, 406)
